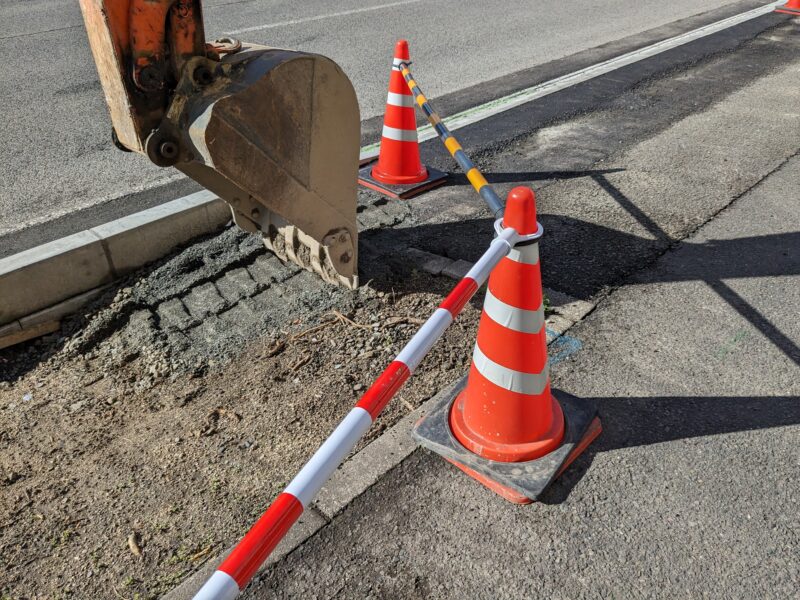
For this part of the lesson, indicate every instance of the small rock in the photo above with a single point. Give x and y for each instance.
(12, 477)
(76, 406)
(358, 387)
(133, 544)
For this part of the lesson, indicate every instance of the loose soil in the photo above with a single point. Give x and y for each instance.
(111, 489)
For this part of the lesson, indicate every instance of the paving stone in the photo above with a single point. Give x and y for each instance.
(172, 314)
(556, 326)
(575, 310)
(236, 285)
(269, 269)
(204, 300)
(245, 316)
(374, 219)
(211, 332)
(430, 263)
(457, 269)
(387, 214)
(290, 294)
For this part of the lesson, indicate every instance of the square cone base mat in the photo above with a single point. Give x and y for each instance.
(435, 178)
(520, 482)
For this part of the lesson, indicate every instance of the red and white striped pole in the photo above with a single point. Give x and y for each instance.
(241, 564)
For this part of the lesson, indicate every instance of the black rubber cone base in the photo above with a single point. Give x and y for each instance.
(526, 479)
(435, 178)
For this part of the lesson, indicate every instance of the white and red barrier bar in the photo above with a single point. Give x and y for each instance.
(241, 564)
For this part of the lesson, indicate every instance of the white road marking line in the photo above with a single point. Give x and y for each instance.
(490, 109)
(343, 13)
(473, 115)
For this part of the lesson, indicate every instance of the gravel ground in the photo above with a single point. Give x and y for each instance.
(134, 472)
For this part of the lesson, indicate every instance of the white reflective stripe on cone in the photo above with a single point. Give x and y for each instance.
(425, 338)
(528, 255)
(404, 100)
(333, 451)
(220, 586)
(400, 135)
(396, 63)
(508, 379)
(511, 317)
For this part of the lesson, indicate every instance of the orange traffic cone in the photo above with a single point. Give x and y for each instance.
(506, 428)
(507, 412)
(792, 7)
(399, 172)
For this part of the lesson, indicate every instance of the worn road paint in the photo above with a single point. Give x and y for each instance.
(562, 347)
(343, 13)
(494, 107)
(726, 348)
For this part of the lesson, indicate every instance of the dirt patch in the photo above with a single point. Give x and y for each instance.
(119, 477)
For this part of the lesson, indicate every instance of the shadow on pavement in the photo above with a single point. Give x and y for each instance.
(713, 261)
(581, 258)
(630, 422)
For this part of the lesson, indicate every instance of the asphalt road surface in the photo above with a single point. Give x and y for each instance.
(57, 156)
(691, 489)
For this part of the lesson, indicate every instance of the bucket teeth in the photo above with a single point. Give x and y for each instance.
(290, 244)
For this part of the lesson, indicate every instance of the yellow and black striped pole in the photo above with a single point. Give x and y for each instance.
(475, 177)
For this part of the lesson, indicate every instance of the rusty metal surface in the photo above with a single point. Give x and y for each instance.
(276, 134)
(273, 132)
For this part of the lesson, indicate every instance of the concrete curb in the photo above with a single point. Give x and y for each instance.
(36, 279)
(365, 468)
(59, 276)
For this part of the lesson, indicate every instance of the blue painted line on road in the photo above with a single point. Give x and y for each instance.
(562, 347)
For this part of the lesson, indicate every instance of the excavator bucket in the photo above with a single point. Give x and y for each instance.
(275, 133)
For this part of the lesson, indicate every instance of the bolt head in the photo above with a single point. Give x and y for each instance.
(168, 149)
(202, 75)
(151, 78)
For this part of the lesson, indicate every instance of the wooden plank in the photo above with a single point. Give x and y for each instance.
(28, 334)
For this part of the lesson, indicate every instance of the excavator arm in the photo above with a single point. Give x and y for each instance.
(275, 133)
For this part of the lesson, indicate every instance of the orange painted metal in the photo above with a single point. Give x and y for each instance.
(159, 28)
(186, 32)
(119, 18)
(148, 31)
